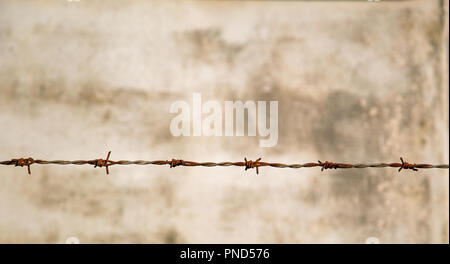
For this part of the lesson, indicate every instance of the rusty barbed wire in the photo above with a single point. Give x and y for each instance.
(248, 164)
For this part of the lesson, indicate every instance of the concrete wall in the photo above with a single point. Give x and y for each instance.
(355, 81)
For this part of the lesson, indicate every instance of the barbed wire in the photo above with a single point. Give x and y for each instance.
(248, 164)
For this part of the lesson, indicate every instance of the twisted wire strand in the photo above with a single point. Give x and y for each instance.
(248, 164)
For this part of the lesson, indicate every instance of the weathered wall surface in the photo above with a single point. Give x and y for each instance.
(355, 81)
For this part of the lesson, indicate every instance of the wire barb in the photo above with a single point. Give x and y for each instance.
(328, 165)
(101, 162)
(175, 162)
(249, 164)
(23, 162)
(405, 165)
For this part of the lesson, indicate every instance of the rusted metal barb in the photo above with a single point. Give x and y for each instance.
(175, 162)
(249, 164)
(101, 162)
(332, 165)
(21, 162)
(328, 165)
(405, 165)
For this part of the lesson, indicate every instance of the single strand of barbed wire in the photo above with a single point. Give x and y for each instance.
(226, 164)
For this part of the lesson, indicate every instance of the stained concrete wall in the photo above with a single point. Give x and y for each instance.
(355, 81)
